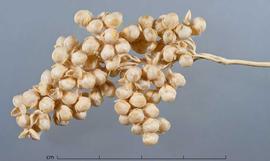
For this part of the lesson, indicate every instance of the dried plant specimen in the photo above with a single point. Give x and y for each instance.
(82, 74)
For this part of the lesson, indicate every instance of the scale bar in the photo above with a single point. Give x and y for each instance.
(142, 158)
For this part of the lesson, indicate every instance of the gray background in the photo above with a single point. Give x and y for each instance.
(221, 110)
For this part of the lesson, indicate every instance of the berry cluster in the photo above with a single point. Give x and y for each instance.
(81, 75)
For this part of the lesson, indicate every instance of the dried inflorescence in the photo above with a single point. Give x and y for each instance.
(81, 75)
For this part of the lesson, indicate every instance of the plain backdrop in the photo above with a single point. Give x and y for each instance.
(221, 110)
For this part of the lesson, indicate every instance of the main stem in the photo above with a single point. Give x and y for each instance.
(225, 61)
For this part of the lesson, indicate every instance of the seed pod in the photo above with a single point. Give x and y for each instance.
(90, 45)
(164, 125)
(198, 25)
(78, 58)
(136, 129)
(95, 26)
(150, 138)
(70, 97)
(101, 76)
(183, 32)
(122, 46)
(30, 98)
(46, 105)
(67, 84)
(59, 55)
(83, 17)
(168, 37)
(122, 107)
(151, 110)
(111, 36)
(170, 20)
(58, 71)
(169, 53)
(150, 125)
(133, 74)
(59, 42)
(46, 77)
(17, 100)
(137, 100)
(161, 79)
(80, 115)
(108, 89)
(107, 52)
(186, 60)
(123, 119)
(151, 71)
(56, 93)
(63, 113)
(23, 121)
(113, 20)
(167, 93)
(70, 42)
(153, 96)
(150, 34)
(96, 97)
(136, 116)
(83, 104)
(44, 122)
(88, 81)
(124, 92)
(176, 80)
(131, 33)
(146, 21)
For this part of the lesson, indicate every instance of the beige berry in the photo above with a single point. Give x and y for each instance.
(137, 100)
(95, 26)
(150, 125)
(46, 77)
(133, 74)
(123, 119)
(46, 105)
(30, 98)
(146, 21)
(107, 52)
(164, 125)
(123, 92)
(67, 84)
(70, 97)
(64, 113)
(168, 37)
(170, 20)
(136, 116)
(150, 138)
(88, 81)
(183, 32)
(101, 76)
(58, 71)
(90, 45)
(80, 115)
(136, 129)
(131, 33)
(70, 42)
(167, 93)
(113, 19)
(151, 110)
(60, 55)
(169, 53)
(150, 34)
(96, 97)
(83, 17)
(111, 36)
(122, 107)
(23, 121)
(83, 104)
(122, 46)
(186, 60)
(198, 25)
(176, 80)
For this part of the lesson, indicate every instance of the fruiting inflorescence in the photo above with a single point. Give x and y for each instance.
(80, 77)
